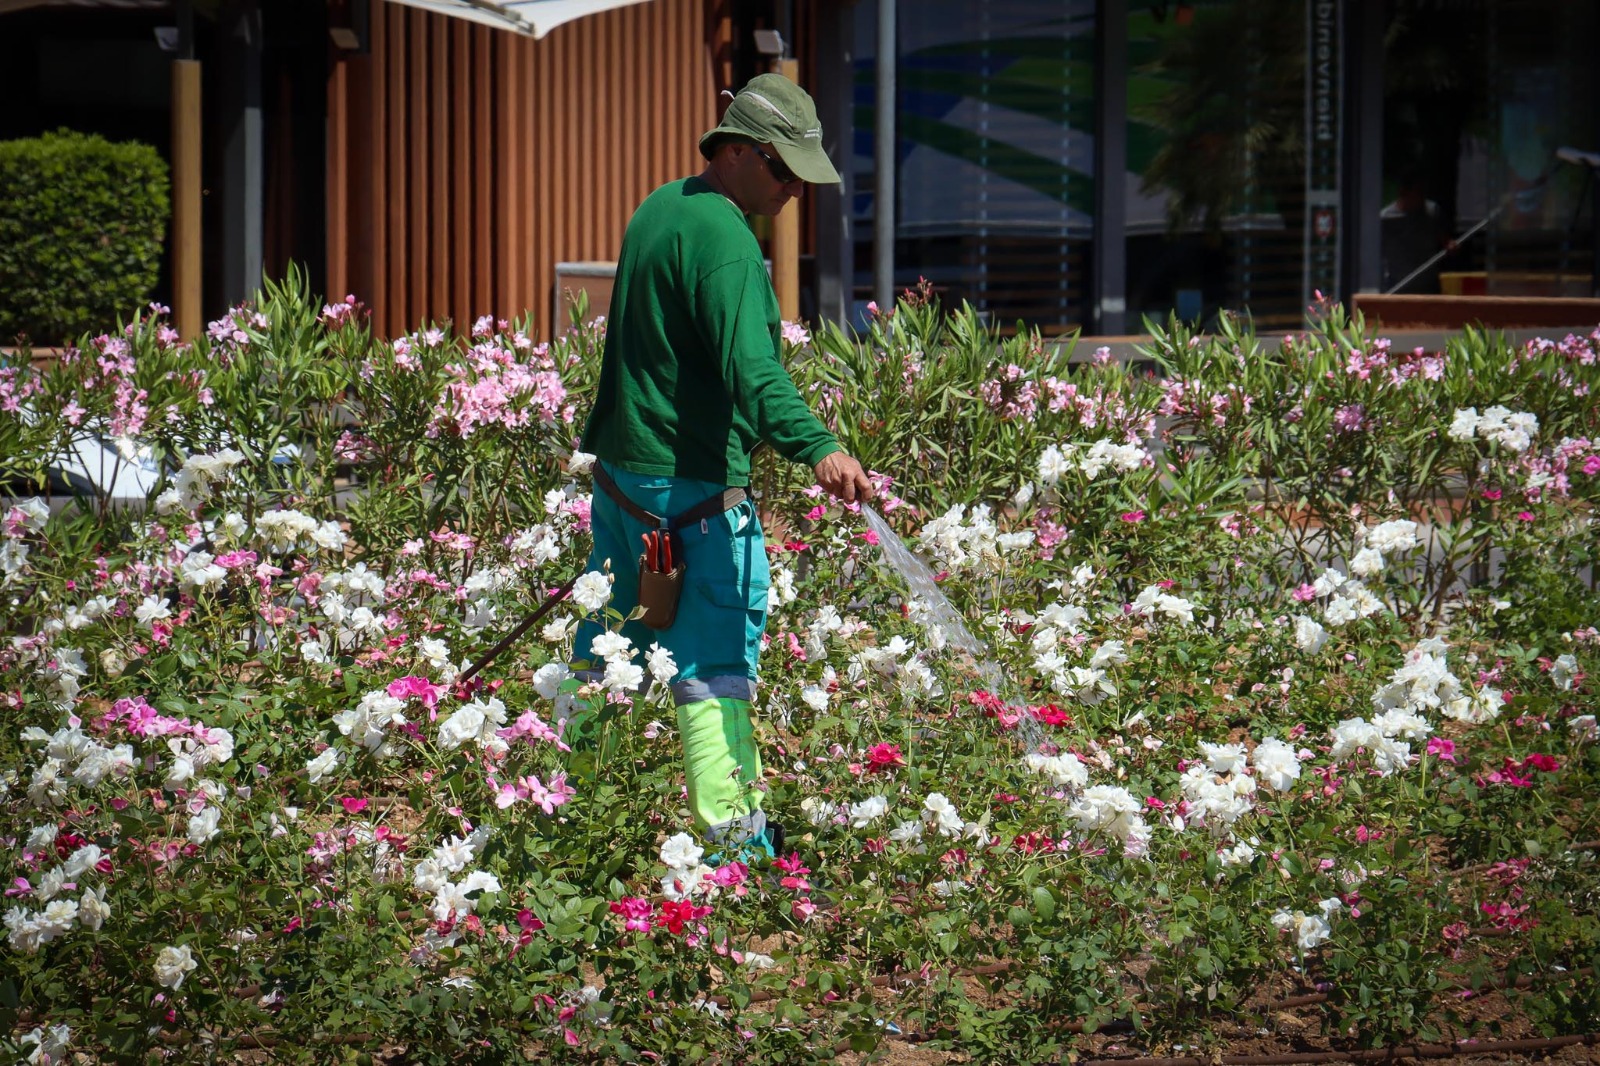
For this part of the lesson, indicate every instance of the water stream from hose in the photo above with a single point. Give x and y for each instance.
(939, 614)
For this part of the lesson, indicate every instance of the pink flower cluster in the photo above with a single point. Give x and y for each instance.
(1393, 368)
(1099, 407)
(1572, 348)
(12, 392)
(230, 332)
(1048, 533)
(1550, 473)
(533, 727)
(675, 916)
(1351, 418)
(143, 720)
(492, 388)
(419, 688)
(1515, 773)
(1012, 394)
(336, 314)
(529, 788)
(1188, 402)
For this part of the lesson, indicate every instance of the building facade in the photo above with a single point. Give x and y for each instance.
(1091, 162)
(1057, 163)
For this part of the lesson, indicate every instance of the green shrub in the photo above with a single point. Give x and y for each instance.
(82, 221)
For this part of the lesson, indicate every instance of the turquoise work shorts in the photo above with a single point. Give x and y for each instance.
(722, 613)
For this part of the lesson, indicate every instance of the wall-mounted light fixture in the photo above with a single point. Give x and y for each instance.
(769, 43)
(348, 26)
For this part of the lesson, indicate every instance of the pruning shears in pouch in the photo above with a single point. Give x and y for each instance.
(658, 554)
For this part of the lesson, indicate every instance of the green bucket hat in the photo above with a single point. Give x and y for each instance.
(774, 110)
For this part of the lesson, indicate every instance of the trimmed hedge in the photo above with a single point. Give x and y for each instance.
(82, 225)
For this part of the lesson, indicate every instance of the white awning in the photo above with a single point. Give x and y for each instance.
(532, 18)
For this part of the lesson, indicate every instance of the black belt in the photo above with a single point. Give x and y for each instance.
(727, 500)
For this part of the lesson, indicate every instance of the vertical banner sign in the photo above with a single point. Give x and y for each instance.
(1324, 133)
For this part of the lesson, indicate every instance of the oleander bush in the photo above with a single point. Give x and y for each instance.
(1283, 686)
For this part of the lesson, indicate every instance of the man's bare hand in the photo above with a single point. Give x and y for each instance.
(843, 477)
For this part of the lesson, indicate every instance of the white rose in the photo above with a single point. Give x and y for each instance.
(592, 591)
(319, 768)
(1367, 561)
(173, 965)
(203, 826)
(1309, 636)
(681, 852)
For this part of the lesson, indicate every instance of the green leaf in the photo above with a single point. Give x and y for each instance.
(1044, 902)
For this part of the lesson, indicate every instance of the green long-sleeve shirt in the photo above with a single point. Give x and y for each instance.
(692, 381)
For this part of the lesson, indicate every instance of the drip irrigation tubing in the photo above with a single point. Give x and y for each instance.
(1394, 1053)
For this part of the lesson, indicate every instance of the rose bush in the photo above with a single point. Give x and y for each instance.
(1286, 687)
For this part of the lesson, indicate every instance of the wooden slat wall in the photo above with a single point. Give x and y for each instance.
(465, 162)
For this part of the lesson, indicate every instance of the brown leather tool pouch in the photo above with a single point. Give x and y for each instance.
(658, 594)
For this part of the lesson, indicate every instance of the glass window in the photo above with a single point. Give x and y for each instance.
(995, 189)
(1479, 97)
(1217, 104)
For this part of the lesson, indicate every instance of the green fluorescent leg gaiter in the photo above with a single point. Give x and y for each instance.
(720, 762)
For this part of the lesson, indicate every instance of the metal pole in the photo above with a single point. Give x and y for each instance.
(835, 95)
(884, 156)
(243, 139)
(1109, 299)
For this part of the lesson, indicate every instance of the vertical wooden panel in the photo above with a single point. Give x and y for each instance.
(600, 117)
(336, 250)
(414, 151)
(523, 185)
(440, 121)
(369, 156)
(459, 263)
(396, 291)
(585, 42)
(633, 89)
(512, 297)
(464, 162)
(527, 165)
(500, 174)
(649, 16)
(655, 133)
(538, 205)
(558, 169)
(786, 236)
(482, 184)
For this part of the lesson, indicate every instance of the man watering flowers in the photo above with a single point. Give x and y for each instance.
(691, 383)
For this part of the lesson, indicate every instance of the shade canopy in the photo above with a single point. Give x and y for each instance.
(532, 18)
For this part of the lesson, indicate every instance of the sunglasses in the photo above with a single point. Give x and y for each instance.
(776, 167)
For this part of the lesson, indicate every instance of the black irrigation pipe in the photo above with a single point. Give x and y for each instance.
(1395, 1053)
